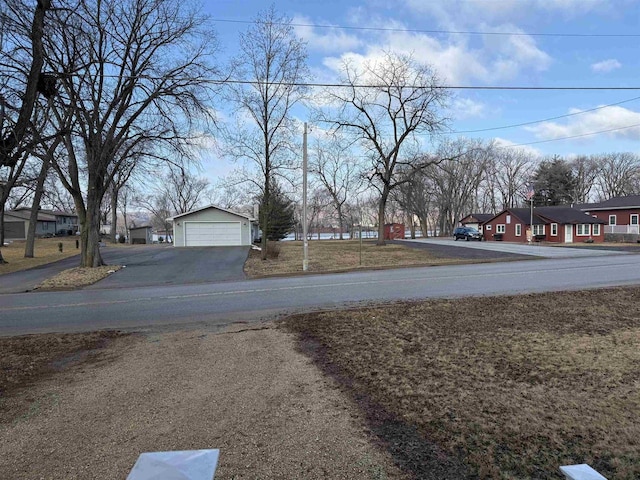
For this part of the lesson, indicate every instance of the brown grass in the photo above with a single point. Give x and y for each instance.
(78, 277)
(339, 255)
(45, 251)
(514, 387)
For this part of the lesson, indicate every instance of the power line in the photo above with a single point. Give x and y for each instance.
(418, 87)
(225, 81)
(533, 122)
(441, 32)
(571, 136)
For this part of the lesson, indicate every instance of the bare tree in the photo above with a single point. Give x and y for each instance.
(585, 170)
(132, 72)
(456, 181)
(618, 175)
(337, 169)
(386, 103)
(184, 190)
(273, 60)
(22, 81)
(509, 171)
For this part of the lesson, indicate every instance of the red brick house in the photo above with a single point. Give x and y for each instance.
(550, 224)
(621, 214)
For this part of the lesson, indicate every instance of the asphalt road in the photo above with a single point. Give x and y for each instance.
(147, 265)
(253, 300)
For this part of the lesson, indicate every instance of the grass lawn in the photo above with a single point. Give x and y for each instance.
(45, 251)
(499, 388)
(339, 255)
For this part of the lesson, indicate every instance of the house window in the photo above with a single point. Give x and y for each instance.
(518, 229)
(554, 229)
(488, 226)
(500, 228)
(634, 219)
(538, 229)
(583, 230)
(596, 229)
(612, 220)
(508, 219)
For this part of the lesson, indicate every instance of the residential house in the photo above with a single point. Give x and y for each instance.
(16, 224)
(550, 224)
(476, 220)
(66, 222)
(621, 214)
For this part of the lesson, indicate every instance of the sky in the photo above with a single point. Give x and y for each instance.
(484, 43)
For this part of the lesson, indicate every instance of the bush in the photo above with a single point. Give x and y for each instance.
(273, 250)
(121, 239)
(161, 239)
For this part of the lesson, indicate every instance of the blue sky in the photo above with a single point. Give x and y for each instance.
(541, 55)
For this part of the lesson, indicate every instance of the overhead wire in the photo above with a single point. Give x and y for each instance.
(436, 31)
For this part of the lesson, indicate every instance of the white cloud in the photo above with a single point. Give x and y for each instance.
(608, 118)
(325, 39)
(464, 108)
(496, 59)
(526, 149)
(456, 13)
(606, 66)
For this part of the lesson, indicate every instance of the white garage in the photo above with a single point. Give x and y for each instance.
(211, 227)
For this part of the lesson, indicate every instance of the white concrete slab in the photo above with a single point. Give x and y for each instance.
(177, 465)
(534, 249)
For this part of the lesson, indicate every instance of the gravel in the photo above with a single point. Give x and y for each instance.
(248, 392)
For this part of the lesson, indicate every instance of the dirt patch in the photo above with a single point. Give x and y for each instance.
(501, 387)
(27, 359)
(343, 255)
(268, 408)
(78, 277)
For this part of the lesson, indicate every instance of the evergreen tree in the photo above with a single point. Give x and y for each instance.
(555, 183)
(280, 214)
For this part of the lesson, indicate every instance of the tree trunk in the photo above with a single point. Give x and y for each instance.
(114, 214)
(35, 207)
(2, 260)
(2, 225)
(264, 215)
(90, 231)
(381, 208)
(340, 221)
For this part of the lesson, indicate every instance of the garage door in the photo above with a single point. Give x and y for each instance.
(212, 234)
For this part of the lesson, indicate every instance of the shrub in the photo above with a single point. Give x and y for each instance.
(161, 239)
(273, 250)
(121, 239)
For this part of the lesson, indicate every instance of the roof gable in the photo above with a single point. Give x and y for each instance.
(241, 215)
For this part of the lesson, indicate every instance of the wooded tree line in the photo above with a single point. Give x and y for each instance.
(103, 105)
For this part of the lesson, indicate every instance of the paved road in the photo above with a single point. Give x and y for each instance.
(252, 300)
(535, 249)
(147, 265)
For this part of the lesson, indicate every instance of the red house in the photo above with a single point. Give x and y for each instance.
(550, 224)
(621, 214)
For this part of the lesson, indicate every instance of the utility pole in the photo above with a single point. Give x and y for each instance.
(305, 240)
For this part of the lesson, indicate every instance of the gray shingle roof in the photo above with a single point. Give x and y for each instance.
(629, 201)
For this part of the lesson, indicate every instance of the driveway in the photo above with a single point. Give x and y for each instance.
(156, 265)
(146, 265)
(535, 249)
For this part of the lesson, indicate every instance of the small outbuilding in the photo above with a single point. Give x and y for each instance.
(142, 234)
(211, 226)
(393, 231)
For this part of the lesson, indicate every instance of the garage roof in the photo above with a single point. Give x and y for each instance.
(242, 215)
